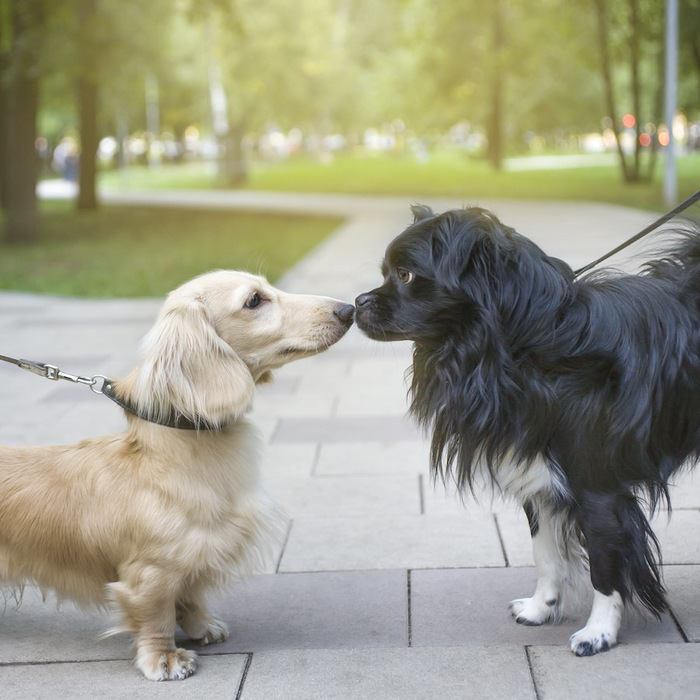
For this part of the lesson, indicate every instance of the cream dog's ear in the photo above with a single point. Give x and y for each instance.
(190, 370)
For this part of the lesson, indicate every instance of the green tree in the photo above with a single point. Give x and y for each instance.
(87, 89)
(630, 43)
(20, 119)
(4, 99)
(689, 72)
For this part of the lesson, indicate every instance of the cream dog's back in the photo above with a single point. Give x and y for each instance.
(74, 517)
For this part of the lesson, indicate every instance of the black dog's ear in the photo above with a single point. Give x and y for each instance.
(420, 212)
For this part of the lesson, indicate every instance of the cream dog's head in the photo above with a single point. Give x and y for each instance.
(219, 334)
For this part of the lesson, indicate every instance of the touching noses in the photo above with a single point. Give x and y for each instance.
(344, 313)
(363, 299)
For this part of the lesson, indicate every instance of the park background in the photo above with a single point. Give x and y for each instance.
(142, 143)
(557, 99)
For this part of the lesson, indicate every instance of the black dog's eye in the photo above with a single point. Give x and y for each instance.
(405, 276)
(253, 300)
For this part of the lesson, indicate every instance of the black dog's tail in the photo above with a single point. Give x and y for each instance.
(623, 551)
(681, 264)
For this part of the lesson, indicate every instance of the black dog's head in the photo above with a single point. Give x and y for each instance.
(461, 270)
(480, 302)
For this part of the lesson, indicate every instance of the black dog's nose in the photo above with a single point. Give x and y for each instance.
(363, 299)
(344, 313)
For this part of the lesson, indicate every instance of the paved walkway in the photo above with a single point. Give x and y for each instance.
(386, 587)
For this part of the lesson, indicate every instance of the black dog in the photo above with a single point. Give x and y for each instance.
(580, 397)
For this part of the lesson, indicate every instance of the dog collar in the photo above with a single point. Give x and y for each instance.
(174, 420)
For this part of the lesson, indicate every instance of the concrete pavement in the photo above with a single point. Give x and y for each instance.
(386, 586)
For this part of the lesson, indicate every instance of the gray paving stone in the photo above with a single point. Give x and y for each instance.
(380, 370)
(87, 420)
(372, 458)
(47, 343)
(216, 677)
(516, 537)
(40, 631)
(360, 429)
(318, 611)
(345, 495)
(288, 460)
(644, 672)
(266, 426)
(685, 492)
(372, 403)
(294, 405)
(391, 542)
(284, 384)
(443, 499)
(59, 423)
(464, 607)
(388, 674)
(683, 585)
(679, 538)
(317, 374)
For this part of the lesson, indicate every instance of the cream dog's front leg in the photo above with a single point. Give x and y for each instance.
(146, 598)
(196, 620)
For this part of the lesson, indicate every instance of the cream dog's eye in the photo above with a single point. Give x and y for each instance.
(253, 300)
(405, 276)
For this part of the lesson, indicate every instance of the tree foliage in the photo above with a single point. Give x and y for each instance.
(511, 69)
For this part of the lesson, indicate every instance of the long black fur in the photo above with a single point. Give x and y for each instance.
(516, 359)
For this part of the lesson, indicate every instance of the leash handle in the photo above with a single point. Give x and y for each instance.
(659, 222)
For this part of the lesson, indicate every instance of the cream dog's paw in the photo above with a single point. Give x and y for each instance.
(217, 631)
(173, 665)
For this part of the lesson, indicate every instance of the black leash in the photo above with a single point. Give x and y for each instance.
(659, 222)
(99, 384)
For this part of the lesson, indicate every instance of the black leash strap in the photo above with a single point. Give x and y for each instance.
(99, 384)
(659, 222)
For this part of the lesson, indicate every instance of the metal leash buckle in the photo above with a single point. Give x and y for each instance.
(98, 383)
(52, 372)
(48, 371)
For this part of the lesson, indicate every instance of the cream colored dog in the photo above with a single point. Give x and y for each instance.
(152, 518)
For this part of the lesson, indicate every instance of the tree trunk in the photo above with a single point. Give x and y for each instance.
(604, 48)
(4, 159)
(234, 165)
(21, 222)
(87, 116)
(636, 87)
(495, 119)
(658, 108)
(87, 108)
(695, 50)
(4, 100)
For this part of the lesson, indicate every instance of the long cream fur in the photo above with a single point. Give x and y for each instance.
(151, 519)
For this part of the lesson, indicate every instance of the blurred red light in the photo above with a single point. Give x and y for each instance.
(644, 140)
(628, 121)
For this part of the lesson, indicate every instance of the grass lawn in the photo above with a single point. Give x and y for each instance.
(136, 252)
(449, 174)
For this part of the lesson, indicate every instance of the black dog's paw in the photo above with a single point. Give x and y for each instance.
(592, 640)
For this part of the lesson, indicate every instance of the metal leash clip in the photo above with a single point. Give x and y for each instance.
(54, 373)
